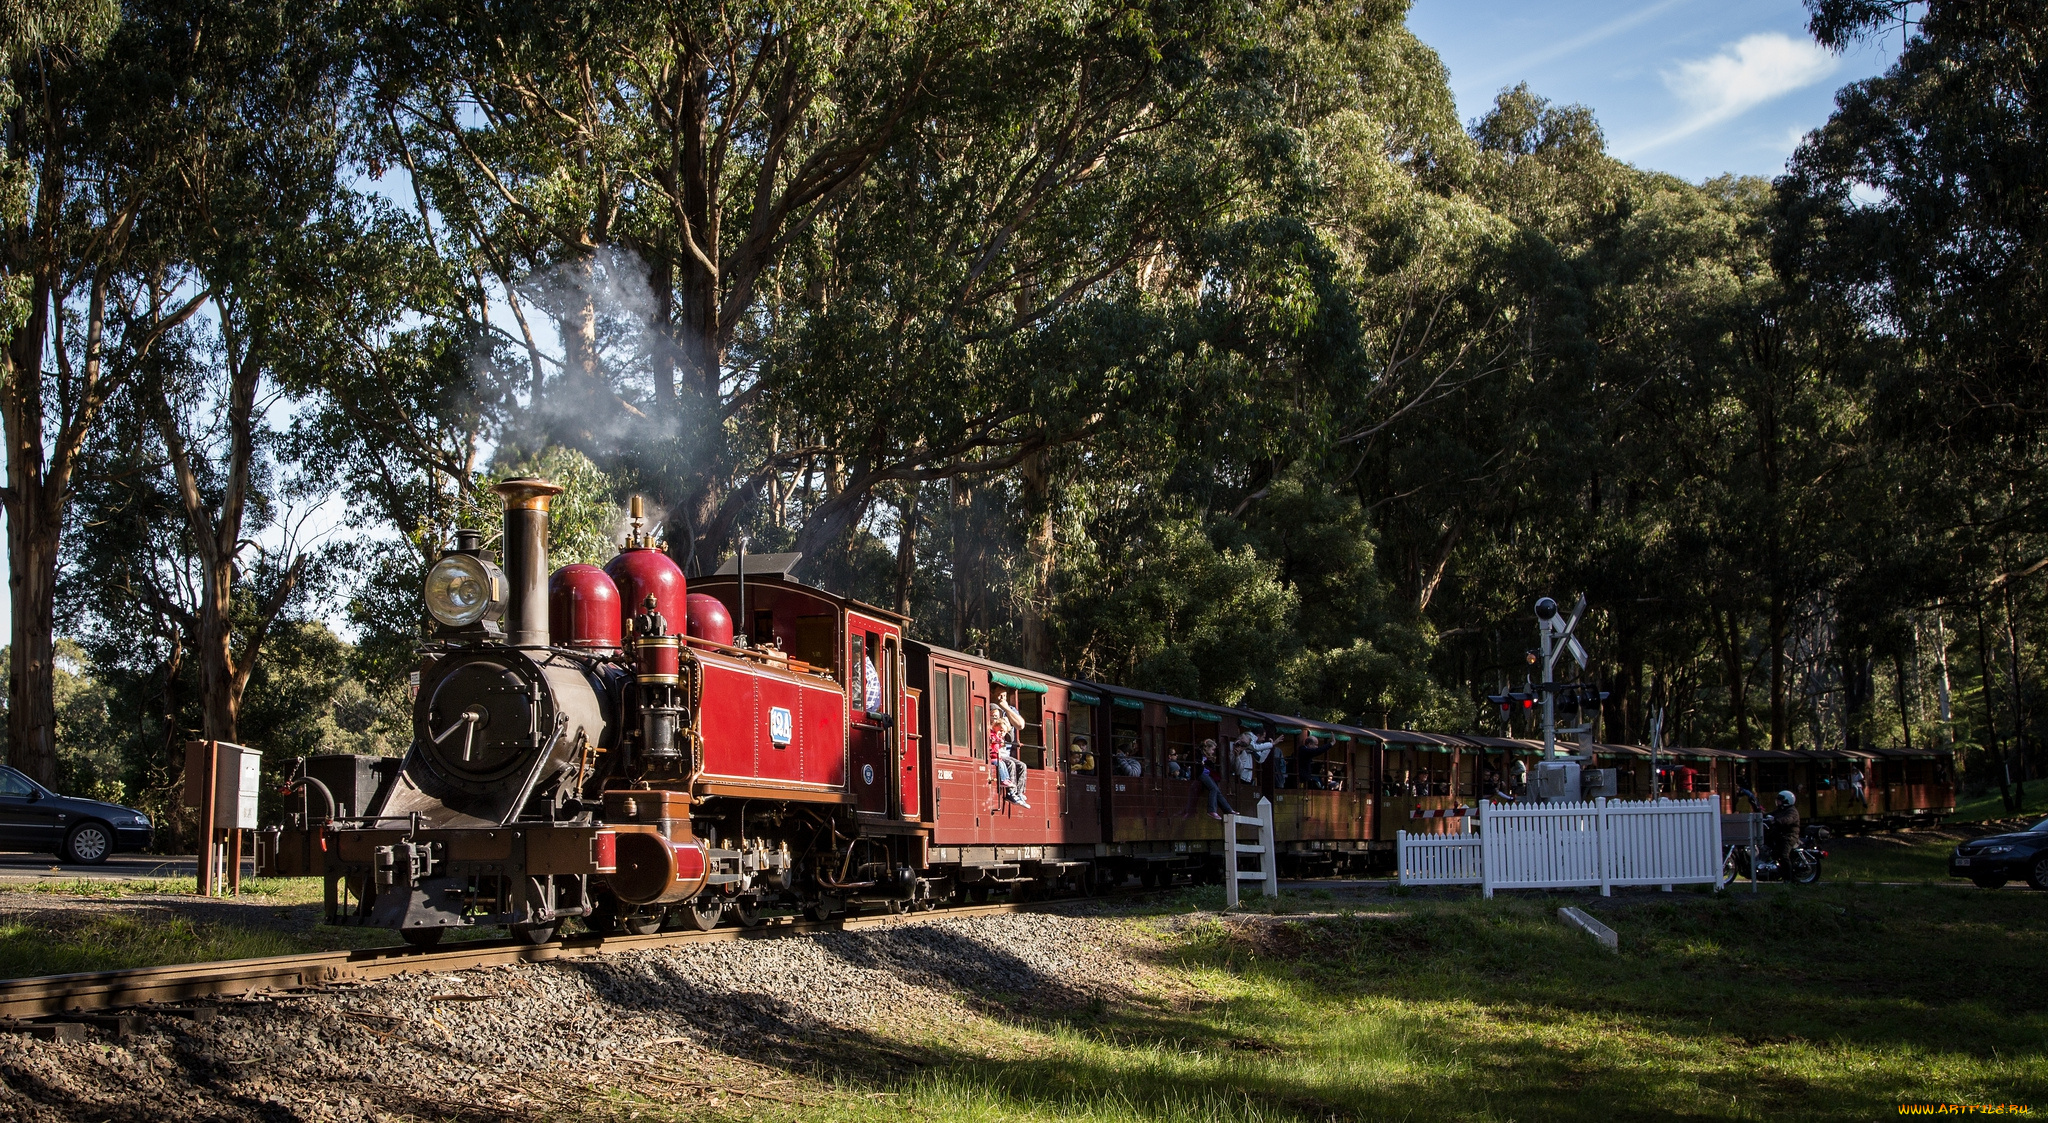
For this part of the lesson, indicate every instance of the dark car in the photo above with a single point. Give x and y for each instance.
(32, 817)
(1995, 859)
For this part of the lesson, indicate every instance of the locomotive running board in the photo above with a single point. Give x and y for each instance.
(768, 791)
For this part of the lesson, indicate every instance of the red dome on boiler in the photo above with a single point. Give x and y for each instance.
(709, 620)
(583, 608)
(640, 573)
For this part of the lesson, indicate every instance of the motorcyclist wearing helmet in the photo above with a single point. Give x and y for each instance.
(1781, 825)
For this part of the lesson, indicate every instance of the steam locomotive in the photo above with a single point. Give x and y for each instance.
(622, 746)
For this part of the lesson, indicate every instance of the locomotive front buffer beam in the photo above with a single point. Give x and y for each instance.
(524, 875)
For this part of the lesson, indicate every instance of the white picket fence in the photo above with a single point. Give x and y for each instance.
(1603, 842)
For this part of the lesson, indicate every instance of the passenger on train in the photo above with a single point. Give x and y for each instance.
(1859, 785)
(871, 691)
(1004, 728)
(1203, 772)
(1251, 752)
(1080, 758)
(1127, 764)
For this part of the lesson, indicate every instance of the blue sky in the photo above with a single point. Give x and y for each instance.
(1691, 87)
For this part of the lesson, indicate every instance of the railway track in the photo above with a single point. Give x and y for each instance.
(52, 998)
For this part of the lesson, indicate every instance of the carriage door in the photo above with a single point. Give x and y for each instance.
(869, 742)
(905, 736)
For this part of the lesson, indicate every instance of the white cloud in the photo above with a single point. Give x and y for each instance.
(1759, 68)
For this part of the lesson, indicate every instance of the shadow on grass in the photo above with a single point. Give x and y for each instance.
(1825, 1003)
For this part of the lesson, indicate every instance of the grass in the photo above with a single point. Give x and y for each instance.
(1824, 1002)
(1892, 857)
(270, 890)
(264, 922)
(107, 941)
(1991, 805)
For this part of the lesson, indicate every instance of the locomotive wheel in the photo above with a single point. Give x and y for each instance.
(535, 933)
(641, 922)
(746, 914)
(703, 917)
(422, 937)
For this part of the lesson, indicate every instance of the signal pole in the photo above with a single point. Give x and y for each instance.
(1554, 638)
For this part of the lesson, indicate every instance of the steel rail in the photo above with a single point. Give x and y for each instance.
(55, 995)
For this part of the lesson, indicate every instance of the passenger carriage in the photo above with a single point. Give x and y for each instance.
(980, 836)
(1319, 829)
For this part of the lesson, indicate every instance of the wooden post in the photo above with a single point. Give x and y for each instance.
(209, 801)
(1270, 852)
(1486, 840)
(1230, 861)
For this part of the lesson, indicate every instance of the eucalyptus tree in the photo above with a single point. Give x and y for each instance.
(91, 162)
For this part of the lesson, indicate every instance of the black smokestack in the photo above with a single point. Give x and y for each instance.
(526, 559)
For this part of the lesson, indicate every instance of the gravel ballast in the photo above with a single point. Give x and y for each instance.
(551, 1039)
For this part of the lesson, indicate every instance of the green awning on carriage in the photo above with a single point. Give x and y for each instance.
(1129, 703)
(1015, 683)
(1251, 723)
(1197, 715)
(1083, 698)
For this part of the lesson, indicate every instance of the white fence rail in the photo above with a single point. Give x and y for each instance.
(1600, 843)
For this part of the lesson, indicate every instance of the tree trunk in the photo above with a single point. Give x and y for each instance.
(1738, 702)
(34, 532)
(962, 500)
(1899, 689)
(906, 546)
(2005, 793)
(1035, 629)
(1856, 691)
(1777, 626)
(2018, 684)
(1948, 733)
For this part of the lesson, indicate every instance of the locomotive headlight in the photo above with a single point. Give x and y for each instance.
(462, 589)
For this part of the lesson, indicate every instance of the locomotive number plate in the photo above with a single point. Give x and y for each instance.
(780, 726)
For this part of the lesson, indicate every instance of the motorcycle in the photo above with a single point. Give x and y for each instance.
(1803, 869)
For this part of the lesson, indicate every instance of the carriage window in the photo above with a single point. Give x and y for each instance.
(1081, 747)
(942, 709)
(1031, 745)
(980, 743)
(961, 737)
(1127, 748)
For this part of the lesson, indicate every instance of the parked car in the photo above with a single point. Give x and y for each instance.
(32, 817)
(1995, 859)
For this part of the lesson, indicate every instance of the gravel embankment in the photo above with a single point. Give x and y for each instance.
(691, 1025)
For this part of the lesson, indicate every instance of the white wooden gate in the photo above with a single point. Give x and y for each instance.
(1437, 859)
(1268, 854)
